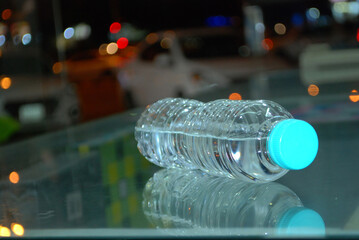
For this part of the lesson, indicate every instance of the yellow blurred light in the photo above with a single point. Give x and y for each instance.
(4, 232)
(103, 49)
(111, 48)
(14, 177)
(280, 28)
(18, 229)
(166, 43)
(151, 38)
(5, 82)
(354, 96)
(235, 96)
(313, 90)
(57, 67)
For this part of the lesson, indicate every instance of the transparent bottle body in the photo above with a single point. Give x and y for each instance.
(192, 199)
(222, 137)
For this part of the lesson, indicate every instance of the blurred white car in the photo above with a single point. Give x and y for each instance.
(166, 64)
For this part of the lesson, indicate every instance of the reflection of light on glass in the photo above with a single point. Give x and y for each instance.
(26, 39)
(14, 177)
(2, 40)
(244, 51)
(6, 14)
(103, 49)
(69, 32)
(57, 67)
(267, 44)
(235, 96)
(111, 48)
(280, 28)
(18, 229)
(166, 43)
(115, 27)
(354, 96)
(122, 43)
(313, 90)
(260, 27)
(5, 82)
(152, 38)
(4, 232)
(312, 14)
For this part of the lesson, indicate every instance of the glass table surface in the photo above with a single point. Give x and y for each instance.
(90, 181)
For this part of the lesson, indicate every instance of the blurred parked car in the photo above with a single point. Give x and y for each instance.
(187, 62)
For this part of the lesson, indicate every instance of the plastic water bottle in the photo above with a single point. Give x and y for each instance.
(253, 140)
(181, 199)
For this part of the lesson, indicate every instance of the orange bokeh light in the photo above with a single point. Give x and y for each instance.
(18, 229)
(235, 96)
(313, 90)
(5, 82)
(267, 44)
(57, 67)
(354, 96)
(14, 177)
(6, 14)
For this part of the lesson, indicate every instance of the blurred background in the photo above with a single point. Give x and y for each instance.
(63, 63)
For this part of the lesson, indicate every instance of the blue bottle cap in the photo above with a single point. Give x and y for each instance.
(293, 144)
(299, 221)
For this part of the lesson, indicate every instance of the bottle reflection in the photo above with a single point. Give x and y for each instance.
(175, 198)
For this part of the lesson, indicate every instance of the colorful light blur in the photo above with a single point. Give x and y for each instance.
(2, 40)
(151, 38)
(260, 28)
(297, 19)
(312, 14)
(17, 229)
(102, 49)
(14, 177)
(354, 96)
(218, 21)
(313, 90)
(111, 48)
(69, 32)
(122, 43)
(267, 44)
(5, 83)
(235, 96)
(6, 14)
(280, 28)
(166, 43)
(26, 39)
(115, 27)
(358, 35)
(57, 67)
(4, 232)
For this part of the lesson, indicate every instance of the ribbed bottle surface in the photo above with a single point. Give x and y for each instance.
(175, 198)
(223, 137)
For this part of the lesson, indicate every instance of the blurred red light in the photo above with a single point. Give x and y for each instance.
(122, 43)
(267, 44)
(358, 34)
(115, 27)
(6, 14)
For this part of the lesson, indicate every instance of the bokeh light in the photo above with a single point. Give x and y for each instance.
(312, 14)
(26, 39)
(57, 67)
(111, 48)
(354, 96)
(122, 43)
(102, 49)
(2, 40)
(313, 90)
(4, 232)
(5, 83)
(6, 14)
(166, 43)
(17, 229)
(235, 96)
(267, 44)
(151, 38)
(260, 27)
(14, 177)
(82, 31)
(115, 27)
(280, 28)
(358, 35)
(69, 32)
